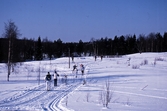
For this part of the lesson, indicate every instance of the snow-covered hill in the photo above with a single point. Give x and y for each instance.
(137, 82)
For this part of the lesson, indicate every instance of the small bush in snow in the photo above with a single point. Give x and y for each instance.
(28, 71)
(159, 59)
(88, 96)
(128, 102)
(154, 63)
(32, 69)
(145, 62)
(129, 61)
(66, 100)
(135, 67)
(106, 94)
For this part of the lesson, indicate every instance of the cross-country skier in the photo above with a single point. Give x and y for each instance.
(76, 73)
(74, 67)
(82, 69)
(48, 80)
(55, 78)
(84, 76)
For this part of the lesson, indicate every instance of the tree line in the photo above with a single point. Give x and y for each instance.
(30, 49)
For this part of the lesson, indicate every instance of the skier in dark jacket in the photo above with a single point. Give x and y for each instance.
(82, 69)
(74, 67)
(48, 80)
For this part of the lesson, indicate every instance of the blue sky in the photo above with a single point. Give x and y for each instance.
(74, 20)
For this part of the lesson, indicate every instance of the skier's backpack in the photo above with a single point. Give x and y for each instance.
(48, 77)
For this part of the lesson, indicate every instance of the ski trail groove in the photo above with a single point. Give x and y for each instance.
(23, 98)
(144, 95)
(38, 98)
(20, 96)
(54, 105)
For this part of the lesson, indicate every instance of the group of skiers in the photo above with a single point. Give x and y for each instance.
(48, 77)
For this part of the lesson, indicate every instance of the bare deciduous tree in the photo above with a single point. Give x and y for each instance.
(140, 43)
(12, 33)
(95, 46)
(106, 94)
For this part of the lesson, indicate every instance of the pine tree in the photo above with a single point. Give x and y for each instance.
(80, 47)
(39, 50)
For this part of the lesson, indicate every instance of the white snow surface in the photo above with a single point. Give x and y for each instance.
(138, 82)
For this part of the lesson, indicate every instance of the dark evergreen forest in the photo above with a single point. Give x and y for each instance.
(30, 49)
(13, 49)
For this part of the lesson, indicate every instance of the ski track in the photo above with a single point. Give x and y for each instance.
(31, 97)
(54, 105)
(143, 95)
(22, 94)
(24, 98)
(37, 98)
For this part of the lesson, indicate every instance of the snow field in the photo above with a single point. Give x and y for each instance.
(133, 89)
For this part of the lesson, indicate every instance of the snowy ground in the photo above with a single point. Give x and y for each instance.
(136, 85)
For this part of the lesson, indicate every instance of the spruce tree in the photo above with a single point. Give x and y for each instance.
(39, 50)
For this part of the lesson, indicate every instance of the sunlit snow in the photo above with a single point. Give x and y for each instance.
(138, 82)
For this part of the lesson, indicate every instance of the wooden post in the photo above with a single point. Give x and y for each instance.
(69, 56)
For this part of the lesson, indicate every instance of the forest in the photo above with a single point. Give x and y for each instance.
(30, 49)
